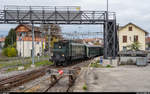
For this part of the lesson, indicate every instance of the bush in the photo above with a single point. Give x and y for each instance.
(84, 87)
(108, 66)
(10, 52)
(4, 51)
(94, 65)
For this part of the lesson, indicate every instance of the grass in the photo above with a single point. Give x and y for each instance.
(84, 87)
(28, 65)
(16, 62)
(108, 66)
(43, 63)
(7, 64)
(12, 69)
(97, 65)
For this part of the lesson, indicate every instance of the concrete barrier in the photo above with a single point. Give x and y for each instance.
(128, 60)
(112, 62)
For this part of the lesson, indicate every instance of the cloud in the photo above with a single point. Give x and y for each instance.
(136, 11)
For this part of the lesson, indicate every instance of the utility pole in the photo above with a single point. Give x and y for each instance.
(23, 34)
(49, 41)
(32, 45)
(107, 6)
(42, 41)
(106, 33)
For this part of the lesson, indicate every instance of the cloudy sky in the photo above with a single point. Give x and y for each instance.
(136, 11)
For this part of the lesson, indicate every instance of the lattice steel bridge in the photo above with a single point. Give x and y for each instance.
(65, 15)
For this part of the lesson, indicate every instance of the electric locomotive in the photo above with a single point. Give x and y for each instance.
(66, 51)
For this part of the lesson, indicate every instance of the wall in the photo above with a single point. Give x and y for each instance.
(125, 60)
(136, 31)
(28, 48)
(1, 44)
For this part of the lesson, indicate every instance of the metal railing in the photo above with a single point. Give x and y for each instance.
(51, 8)
(53, 14)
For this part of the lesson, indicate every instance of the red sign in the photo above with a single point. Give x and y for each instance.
(60, 72)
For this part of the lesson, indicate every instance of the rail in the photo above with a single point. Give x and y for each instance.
(55, 77)
(10, 82)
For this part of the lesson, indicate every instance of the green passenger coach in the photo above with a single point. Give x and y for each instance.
(65, 52)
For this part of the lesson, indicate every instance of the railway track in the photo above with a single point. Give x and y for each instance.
(13, 81)
(61, 83)
(8, 83)
(56, 87)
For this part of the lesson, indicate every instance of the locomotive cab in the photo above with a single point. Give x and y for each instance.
(59, 53)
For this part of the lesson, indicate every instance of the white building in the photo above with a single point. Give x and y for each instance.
(24, 47)
(2, 42)
(129, 34)
(93, 41)
(24, 41)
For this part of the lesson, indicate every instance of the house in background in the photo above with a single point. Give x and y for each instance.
(147, 43)
(129, 34)
(2, 42)
(93, 41)
(24, 40)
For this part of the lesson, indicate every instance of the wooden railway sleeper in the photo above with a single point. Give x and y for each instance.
(14, 78)
(53, 78)
(13, 84)
(71, 80)
(21, 81)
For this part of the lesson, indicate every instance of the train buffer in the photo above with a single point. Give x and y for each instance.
(57, 74)
(62, 72)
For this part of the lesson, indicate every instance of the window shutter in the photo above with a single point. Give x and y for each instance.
(130, 28)
(124, 39)
(135, 38)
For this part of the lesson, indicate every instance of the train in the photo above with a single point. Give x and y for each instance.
(65, 52)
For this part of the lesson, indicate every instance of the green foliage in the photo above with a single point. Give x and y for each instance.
(55, 34)
(43, 63)
(10, 39)
(97, 43)
(134, 46)
(26, 66)
(5, 51)
(84, 87)
(96, 64)
(10, 52)
(108, 66)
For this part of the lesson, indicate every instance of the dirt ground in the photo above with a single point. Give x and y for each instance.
(119, 79)
(126, 78)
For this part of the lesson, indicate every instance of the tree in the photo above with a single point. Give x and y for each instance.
(134, 46)
(97, 43)
(55, 34)
(10, 39)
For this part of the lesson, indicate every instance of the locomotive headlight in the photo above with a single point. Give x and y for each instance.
(59, 47)
(63, 55)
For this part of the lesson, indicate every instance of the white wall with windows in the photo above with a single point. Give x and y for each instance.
(25, 48)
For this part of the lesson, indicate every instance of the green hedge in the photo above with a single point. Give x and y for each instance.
(10, 52)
